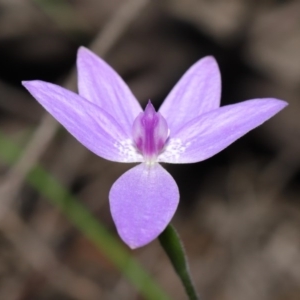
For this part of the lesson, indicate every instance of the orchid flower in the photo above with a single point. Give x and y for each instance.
(189, 127)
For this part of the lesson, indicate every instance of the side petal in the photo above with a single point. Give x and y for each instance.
(89, 124)
(210, 133)
(100, 84)
(197, 92)
(143, 202)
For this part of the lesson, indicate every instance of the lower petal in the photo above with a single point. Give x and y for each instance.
(143, 202)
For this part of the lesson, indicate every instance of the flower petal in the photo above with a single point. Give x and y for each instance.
(210, 133)
(197, 92)
(100, 84)
(89, 124)
(142, 203)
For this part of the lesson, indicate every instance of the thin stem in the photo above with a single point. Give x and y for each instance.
(82, 219)
(171, 243)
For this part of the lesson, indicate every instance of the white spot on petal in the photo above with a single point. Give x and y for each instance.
(173, 150)
(128, 151)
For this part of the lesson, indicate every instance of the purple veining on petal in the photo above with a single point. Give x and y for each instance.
(196, 93)
(100, 84)
(212, 132)
(150, 132)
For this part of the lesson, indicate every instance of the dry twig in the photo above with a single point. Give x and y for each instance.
(35, 251)
(48, 126)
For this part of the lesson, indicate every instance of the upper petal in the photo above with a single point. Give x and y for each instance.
(100, 84)
(142, 203)
(210, 133)
(197, 92)
(88, 123)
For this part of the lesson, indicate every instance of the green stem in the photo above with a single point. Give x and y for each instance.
(84, 221)
(170, 241)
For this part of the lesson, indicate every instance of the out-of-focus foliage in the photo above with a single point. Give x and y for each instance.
(90, 227)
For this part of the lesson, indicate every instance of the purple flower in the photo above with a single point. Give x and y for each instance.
(189, 127)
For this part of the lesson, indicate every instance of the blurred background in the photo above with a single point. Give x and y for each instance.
(239, 215)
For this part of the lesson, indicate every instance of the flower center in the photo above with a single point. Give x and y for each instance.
(150, 132)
